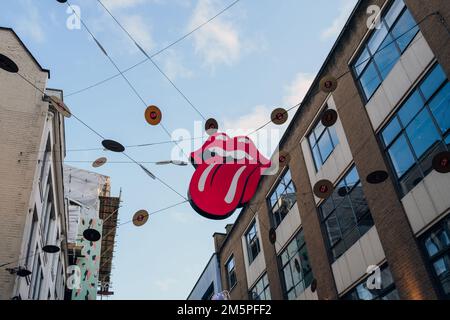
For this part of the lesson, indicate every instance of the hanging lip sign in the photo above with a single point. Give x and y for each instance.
(227, 174)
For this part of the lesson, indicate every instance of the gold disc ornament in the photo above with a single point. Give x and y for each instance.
(283, 158)
(153, 115)
(328, 84)
(323, 189)
(99, 162)
(279, 116)
(211, 126)
(140, 218)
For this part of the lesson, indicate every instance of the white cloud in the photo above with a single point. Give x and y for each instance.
(267, 139)
(30, 22)
(165, 285)
(174, 67)
(297, 90)
(218, 42)
(140, 30)
(121, 4)
(337, 24)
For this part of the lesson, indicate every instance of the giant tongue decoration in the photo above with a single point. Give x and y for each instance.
(226, 176)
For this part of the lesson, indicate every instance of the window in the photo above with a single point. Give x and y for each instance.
(45, 164)
(261, 290)
(386, 292)
(37, 277)
(30, 243)
(47, 215)
(384, 47)
(322, 141)
(252, 240)
(231, 273)
(437, 248)
(282, 198)
(209, 293)
(419, 130)
(345, 214)
(295, 268)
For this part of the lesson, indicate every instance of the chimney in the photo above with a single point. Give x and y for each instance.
(228, 227)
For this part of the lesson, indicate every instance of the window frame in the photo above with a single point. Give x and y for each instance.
(429, 261)
(252, 240)
(312, 133)
(229, 272)
(266, 288)
(349, 232)
(420, 161)
(371, 56)
(306, 277)
(277, 218)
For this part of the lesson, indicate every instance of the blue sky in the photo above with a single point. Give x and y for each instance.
(259, 55)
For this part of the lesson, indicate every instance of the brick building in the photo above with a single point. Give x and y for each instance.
(393, 107)
(32, 205)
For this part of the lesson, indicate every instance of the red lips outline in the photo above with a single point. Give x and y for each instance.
(242, 172)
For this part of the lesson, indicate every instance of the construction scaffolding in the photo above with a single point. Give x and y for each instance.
(109, 211)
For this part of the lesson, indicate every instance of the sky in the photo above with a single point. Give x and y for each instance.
(257, 56)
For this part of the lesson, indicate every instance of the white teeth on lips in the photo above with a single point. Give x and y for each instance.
(236, 154)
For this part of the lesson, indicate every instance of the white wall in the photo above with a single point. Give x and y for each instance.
(287, 228)
(427, 201)
(404, 74)
(337, 162)
(258, 266)
(349, 268)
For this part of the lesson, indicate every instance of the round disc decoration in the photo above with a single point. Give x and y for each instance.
(441, 162)
(8, 65)
(279, 116)
(113, 146)
(51, 249)
(323, 189)
(60, 106)
(329, 117)
(23, 273)
(211, 126)
(62, 1)
(328, 84)
(272, 236)
(99, 162)
(140, 218)
(377, 177)
(283, 158)
(153, 115)
(314, 285)
(342, 191)
(91, 235)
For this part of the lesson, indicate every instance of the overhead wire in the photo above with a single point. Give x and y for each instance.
(158, 52)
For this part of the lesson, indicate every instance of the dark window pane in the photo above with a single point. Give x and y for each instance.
(401, 156)
(433, 81)
(440, 106)
(387, 57)
(410, 108)
(370, 80)
(405, 30)
(333, 230)
(391, 131)
(437, 241)
(392, 295)
(317, 158)
(422, 133)
(346, 217)
(359, 202)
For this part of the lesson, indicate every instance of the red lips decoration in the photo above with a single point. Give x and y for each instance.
(227, 174)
